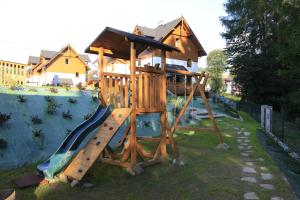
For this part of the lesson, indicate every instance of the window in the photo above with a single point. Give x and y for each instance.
(66, 61)
(189, 63)
(77, 74)
(177, 42)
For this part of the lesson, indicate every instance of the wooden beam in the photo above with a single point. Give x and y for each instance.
(210, 114)
(101, 76)
(132, 139)
(185, 72)
(163, 97)
(98, 49)
(187, 128)
(182, 111)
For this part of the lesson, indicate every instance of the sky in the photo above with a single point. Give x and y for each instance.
(31, 25)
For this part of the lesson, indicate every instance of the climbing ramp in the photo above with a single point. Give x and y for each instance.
(88, 155)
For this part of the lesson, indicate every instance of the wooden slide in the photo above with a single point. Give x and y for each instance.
(89, 154)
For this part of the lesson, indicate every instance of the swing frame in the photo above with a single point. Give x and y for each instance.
(200, 83)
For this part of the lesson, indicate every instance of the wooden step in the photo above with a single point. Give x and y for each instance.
(89, 154)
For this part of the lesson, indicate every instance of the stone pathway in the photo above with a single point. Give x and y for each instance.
(254, 173)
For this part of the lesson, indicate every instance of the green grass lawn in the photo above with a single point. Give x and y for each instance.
(207, 174)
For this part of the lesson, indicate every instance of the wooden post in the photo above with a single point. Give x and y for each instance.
(205, 102)
(133, 107)
(101, 76)
(163, 97)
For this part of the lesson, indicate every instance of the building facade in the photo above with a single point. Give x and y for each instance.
(176, 33)
(12, 72)
(58, 68)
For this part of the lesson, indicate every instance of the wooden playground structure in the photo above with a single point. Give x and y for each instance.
(143, 91)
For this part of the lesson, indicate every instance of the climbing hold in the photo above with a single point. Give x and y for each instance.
(80, 170)
(98, 143)
(105, 124)
(111, 128)
(95, 138)
(120, 115)
(88, 159)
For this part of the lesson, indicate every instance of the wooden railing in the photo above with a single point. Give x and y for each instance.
(116, 89)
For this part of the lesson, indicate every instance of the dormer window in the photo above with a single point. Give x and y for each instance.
(177, 42)
(66, 61)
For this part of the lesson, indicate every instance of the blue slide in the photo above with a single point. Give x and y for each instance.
(73, 143)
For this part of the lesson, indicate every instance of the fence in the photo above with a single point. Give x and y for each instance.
(286, 130)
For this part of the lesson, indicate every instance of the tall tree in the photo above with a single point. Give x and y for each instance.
(262, 42)
(216, 64)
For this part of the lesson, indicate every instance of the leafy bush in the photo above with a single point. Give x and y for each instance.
(53, 90)
(4, 118)
(51, 106)
(87, 116)
(67, 87)
(67, 115)
(38, 136)
(21, 99)
(79, 86)
(36, 120)
(94, 98)
(49, 99)
(72, 100)
(177, 104)
(3, 143)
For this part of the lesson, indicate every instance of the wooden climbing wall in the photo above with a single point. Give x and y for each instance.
(88, 155)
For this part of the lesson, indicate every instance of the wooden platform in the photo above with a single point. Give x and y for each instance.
(88, 155)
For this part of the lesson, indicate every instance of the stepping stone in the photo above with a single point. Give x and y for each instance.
(276, 198)
(241, 147)
(249, 170)
(245, 154)
(267, 186)
(251, 196)
(246, 140)
(260, 159)
(244, 144)
(264, 168)
(239, 140)
(249, 147)
(266, 176)
(236, 128)
(249, 179)
(242, 137)
(249, 151)
(250, 163)
(246, 133)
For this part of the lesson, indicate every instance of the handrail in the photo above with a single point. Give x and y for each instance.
(188, 73)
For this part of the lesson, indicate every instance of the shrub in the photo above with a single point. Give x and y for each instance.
(49, 99)
(79, 86)
(67, 87)
(67, 115)
(3, 143)
(53, 90)
(87, 116)
(37, 133)
(38, 136)
(72, 100)
(4, 118)
(147, 123)
(68, 131)
(52, 107)
(94, 98)
(21, 99)
(36, 120)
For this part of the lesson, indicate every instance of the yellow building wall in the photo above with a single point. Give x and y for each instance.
(12, 72)
(74, 65)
